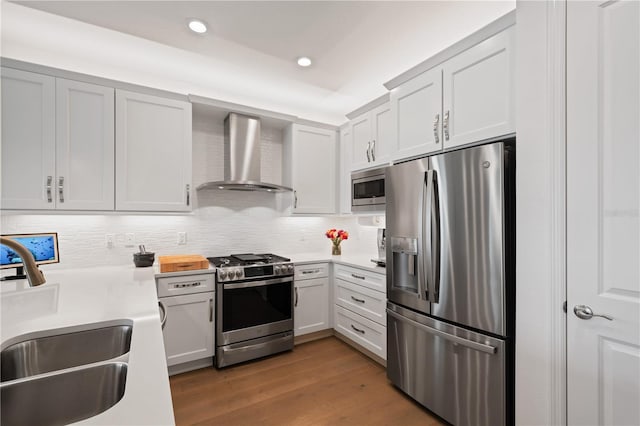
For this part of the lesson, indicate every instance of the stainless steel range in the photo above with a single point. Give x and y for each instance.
(254, 304)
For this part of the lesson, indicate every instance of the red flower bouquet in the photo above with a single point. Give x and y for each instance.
(336, 237)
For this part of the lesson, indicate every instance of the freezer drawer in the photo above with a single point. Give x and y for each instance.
(456, 373)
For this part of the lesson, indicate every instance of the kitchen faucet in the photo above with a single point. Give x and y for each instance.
(34, 275)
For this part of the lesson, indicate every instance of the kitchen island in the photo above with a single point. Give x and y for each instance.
(75, 299)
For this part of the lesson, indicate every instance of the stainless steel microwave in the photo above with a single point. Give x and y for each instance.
(367, 191)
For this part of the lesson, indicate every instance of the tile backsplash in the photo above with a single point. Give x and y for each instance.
(238, 223)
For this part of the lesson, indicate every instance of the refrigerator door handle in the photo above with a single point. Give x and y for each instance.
(450, 337)
(435, 240)
(426, 255)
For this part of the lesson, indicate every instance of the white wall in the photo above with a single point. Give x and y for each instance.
(222, 222)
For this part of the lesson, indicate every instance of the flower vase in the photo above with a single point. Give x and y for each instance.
(336, 250)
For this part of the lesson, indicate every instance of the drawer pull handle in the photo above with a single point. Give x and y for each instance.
(357, 329)
(360, 277)
(357, 300)
(315, 271)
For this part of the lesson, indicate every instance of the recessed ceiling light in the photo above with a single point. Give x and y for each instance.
(197, 26)
(303, 61)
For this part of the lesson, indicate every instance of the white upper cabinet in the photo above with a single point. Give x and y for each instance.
(84, 146)
(153, 153)
(344, 178)
(479, 96)
(372, 134)
(466, 99)
(57, 143)
(28, 140)
(417, 109)
(313, 174)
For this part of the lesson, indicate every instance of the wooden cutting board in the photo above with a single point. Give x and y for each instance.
(182, 262)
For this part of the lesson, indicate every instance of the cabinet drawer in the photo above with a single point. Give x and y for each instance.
(361, 300)
(362, 277)
(315, 270)
(361, 330)
(186, 284)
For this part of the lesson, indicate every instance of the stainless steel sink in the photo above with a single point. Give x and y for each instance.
(57, 352)
(63, 398)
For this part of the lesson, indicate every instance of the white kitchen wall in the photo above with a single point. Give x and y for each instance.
(221, 223)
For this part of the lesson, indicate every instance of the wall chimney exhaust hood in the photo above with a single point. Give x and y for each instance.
(242, 157)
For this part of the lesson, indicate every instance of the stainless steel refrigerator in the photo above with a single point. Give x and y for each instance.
(451, 282)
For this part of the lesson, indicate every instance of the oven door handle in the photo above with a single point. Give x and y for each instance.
(231, 286)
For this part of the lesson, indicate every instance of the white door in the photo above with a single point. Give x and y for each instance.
(28, 140)
(416, 107)
(84, 146)
(361, 145)
(478, 91)
(314, 170)
(311, 301)
(381, 133)
(603, 212)
(188, 331)
(153, 153)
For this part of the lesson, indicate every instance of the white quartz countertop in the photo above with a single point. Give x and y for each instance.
(358, 260)
(75, 298)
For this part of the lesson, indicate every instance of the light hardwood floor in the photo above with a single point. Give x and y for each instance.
(325, 382)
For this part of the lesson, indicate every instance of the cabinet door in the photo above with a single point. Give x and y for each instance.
(153, 153)
(361, 142)
(311, 306)
(344, 183)
(382, 134)
(84, 146)
(314, 170)
(28, 140)
(479, 91)
(416, 108)
(188, 332)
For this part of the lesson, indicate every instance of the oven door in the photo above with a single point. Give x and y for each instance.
(252, 309)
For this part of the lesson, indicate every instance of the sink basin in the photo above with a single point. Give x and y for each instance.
(57, 352)
(63, 398)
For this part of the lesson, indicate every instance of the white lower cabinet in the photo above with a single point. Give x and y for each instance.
(360, 307)
(311, 299)
(188, 332)
(189, 328)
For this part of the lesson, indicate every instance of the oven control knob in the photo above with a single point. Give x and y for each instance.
(222, 274)
(290, 268)
(238, 273)
(277, 269)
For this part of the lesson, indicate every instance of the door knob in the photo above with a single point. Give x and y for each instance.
(585, 312)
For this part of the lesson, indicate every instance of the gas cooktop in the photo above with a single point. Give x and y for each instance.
(246, 259)
(237, 267)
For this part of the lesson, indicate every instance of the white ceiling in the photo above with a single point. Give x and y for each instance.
(356, 46)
